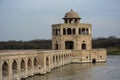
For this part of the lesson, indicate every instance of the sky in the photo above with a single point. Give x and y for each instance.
(32, 19)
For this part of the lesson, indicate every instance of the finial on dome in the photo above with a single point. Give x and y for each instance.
(71, 10)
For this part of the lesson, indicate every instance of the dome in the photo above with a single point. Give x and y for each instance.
(71, 14)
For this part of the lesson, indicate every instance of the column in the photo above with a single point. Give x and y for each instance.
(10, 69)
(18, 69)
(26, 67)
(32, 60)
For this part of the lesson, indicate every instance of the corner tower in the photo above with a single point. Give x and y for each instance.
(71, 34)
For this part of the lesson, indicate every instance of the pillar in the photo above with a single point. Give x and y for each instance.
(10, 70)
(26, 67)
(18, 69)
(32, 60)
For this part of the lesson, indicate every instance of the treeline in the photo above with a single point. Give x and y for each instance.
(102, 42)
(47, 44)
(33, 44)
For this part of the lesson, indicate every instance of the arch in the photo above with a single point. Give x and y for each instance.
(94, 60)
(47, 61)
(83, 31)
(14, 67)
(22, 65)
(5, 69)
(56, 32)
(64, 31)
(29, 63)
(56, 46)
(56, 59)
(69, 31)
(74, 31)
(53, 59)
(79, 31)
(87, 32)
(35, 62)
(69, 45)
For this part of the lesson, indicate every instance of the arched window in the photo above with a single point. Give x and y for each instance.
(83, 31)
(87, 32)
(64, 31)
(79, 31)
(69, 44)
(56, 32)
(74, 31)
(69, 31)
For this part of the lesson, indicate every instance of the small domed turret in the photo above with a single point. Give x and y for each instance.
(71, 17)
(71, 14)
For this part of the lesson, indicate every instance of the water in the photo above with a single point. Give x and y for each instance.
(100, 71)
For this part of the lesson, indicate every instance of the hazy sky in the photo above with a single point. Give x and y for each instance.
(32, 19)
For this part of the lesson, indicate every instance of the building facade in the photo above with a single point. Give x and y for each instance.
(71, 43)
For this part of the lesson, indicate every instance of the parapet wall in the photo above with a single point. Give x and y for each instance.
(94, 55)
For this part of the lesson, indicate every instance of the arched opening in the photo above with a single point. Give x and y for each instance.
(64, 31)
(83, 31)
(56, 32)
(79, 31)
(57, 59)
(14, 70)
(87, 32)
(69, 31)
(35, 62)
(29, 64)
(14, 67)
(83, 46)
(69, 45)
(74, 31)
(76, 20)
(93, 60)
(29, 67)
(56, 46)
(22, 65)
(5, 69)
(47, 61)
(64, 57)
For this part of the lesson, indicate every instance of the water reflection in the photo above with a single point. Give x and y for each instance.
(87, 71)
